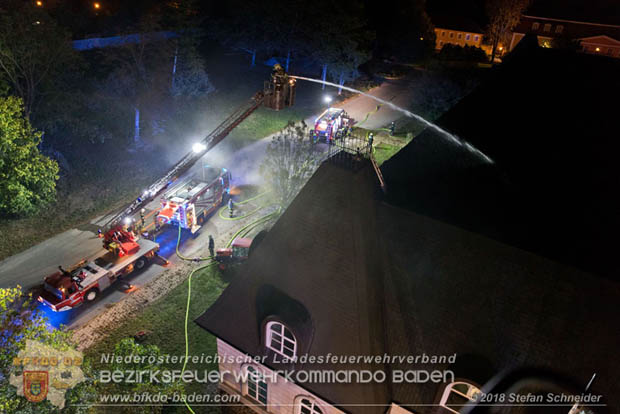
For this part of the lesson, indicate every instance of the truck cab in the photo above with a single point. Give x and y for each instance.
(66, 289)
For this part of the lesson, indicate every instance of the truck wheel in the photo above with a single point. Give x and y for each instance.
(91, 295)
(140, 263)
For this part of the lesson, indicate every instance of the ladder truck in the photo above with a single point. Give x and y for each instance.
(83, 282)
(185, 202)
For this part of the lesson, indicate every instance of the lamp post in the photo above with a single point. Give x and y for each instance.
(328, 100)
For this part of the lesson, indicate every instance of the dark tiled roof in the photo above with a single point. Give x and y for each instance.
(547, 120)
(371, 276)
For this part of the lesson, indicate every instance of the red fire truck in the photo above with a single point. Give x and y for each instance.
(189, 203)
(84, 281)
(333, 123)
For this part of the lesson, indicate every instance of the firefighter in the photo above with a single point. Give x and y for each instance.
(142, 218)
(211, 246)
(392, 128)
(231, 206)
(370, 140)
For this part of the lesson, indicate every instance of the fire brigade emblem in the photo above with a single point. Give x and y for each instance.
(35, 385)
(41, 372)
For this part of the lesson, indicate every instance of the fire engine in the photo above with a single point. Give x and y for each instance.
(124, 253)
(332, 124)
(189, 203)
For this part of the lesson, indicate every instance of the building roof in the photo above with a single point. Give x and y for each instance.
(594, 11)
(455, 22)
(445, 265)
(553, 188)
(570, 29)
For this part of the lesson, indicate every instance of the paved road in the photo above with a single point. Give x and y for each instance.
(28, 267)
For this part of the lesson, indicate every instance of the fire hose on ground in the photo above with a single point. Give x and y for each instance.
(241, 232)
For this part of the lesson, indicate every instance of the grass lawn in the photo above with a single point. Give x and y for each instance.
(164, 320)
(385, 145)
(384, 152)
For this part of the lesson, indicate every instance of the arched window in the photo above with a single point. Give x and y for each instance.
(280, 339)
(457, 395)
(559, 28)
(308, 406)
(256, 387)
(535, 26)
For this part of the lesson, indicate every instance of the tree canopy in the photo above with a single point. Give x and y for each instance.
(503, 15)
(34, 52)
(290, 161)
(27, 178)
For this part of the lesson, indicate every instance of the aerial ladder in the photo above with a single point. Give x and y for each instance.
(277, 94)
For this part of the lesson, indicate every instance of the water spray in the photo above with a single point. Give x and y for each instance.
(443, 132)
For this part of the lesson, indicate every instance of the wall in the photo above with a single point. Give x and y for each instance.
(443, 37)
(281, 395)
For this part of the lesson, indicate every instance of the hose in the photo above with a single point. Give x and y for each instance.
(368, 115)
(224, 208)
(243, 231)
(189, 295)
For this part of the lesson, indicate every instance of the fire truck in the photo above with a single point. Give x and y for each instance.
(189, 203)
(124, 253)
(332, 124)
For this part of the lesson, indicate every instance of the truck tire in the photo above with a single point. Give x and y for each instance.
(91, 295)
(140, 263)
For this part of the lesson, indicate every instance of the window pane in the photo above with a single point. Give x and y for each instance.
(462, 388)
(276, 327)
(456, 402)
(276, 345)
(288, 334)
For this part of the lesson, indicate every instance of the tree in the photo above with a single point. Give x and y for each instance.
(340, 42)
(27, 178)
(503, 15)
(404, 29)
(20, 321)
(291, 159)
(34, 52)
(150, 69)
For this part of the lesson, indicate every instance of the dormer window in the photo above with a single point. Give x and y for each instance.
(280, 339)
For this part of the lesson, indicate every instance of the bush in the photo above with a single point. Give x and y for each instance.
(462, 54)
